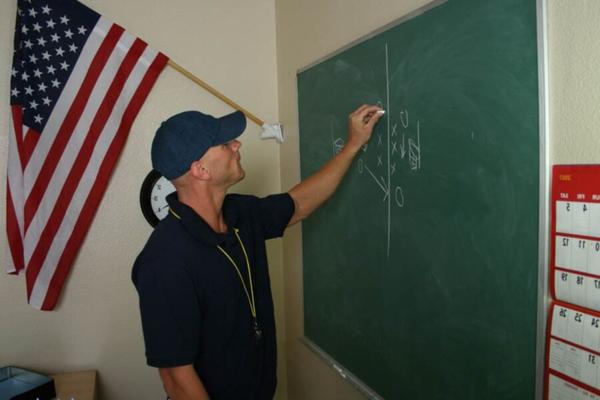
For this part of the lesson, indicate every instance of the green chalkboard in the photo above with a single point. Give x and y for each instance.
(421, 273)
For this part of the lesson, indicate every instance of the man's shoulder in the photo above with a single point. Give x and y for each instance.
(166, 245)
(240, 204)
(240, 199)
(250, 201)
(268, 216)
(167, 236)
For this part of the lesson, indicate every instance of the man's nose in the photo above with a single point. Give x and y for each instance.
(236, 144)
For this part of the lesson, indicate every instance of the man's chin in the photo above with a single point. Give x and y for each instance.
(241, 176)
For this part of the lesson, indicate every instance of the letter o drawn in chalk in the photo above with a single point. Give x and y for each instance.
(399, 196)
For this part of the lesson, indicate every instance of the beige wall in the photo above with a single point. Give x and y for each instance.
(574, 57)
(230, 44)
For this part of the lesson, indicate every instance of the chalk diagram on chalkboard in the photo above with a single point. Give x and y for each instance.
(402, 142)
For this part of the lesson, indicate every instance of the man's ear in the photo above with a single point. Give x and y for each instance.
(199, 170)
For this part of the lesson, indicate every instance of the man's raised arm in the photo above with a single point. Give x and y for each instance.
(312, 192)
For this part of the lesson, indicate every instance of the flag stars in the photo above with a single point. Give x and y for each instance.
(48, 42)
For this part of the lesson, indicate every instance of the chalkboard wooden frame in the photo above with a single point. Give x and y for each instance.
(544, 195)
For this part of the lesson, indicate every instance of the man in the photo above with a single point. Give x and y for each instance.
(202, 278)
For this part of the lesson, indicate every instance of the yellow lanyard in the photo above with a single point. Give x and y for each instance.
(249, 295)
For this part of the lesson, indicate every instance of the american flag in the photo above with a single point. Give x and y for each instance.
(77, 84)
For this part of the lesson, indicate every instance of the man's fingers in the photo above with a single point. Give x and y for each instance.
(370, 112)
(359, 110)
(372, 119)
(366, 115)
(370, 109)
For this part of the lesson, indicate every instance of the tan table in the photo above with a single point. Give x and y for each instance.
(80, 385)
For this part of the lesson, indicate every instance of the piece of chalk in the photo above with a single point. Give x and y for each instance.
(380, 111)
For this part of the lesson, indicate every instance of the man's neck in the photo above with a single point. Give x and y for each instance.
(207, 202)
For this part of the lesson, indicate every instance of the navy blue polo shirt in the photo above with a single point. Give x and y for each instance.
(193, 306)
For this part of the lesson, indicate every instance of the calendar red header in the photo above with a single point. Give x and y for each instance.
(576, 183)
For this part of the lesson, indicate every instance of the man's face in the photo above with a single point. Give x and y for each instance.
(223, 163)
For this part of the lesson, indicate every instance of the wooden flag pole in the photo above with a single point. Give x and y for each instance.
(215, 92)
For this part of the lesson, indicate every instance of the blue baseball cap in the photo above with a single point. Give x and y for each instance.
(185, 137)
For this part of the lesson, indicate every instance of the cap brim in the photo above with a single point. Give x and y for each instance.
(230, 127)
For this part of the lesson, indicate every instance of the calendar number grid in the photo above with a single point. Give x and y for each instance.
(573, 353)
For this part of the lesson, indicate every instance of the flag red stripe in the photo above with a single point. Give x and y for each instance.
(15, 242)
(80, 164)
(70, 122)
(91, 205)
(17, 120)
(31, 139)
(13, 232)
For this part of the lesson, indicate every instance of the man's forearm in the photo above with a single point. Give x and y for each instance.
(182, 383)
(312, 192)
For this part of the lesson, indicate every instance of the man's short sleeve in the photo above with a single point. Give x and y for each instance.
(170, 314)
(275, 212)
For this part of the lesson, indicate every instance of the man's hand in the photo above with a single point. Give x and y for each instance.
(360, 125)
(309, 194)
